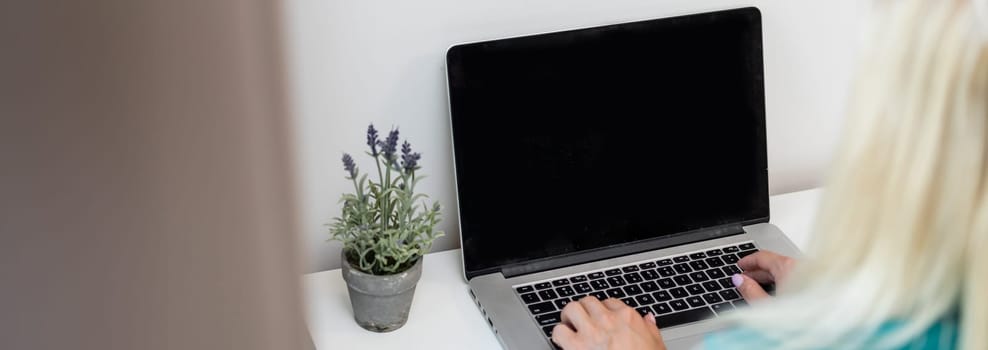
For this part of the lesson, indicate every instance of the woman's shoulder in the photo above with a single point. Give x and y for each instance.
(940, 335)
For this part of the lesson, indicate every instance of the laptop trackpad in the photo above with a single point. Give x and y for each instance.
(685, 343)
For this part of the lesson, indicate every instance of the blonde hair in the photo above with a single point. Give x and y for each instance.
(902, 232)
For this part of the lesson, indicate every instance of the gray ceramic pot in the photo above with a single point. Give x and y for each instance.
(381, 303)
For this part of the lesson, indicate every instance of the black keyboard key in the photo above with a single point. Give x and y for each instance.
(711, 286)
(560, 282)
(666, 271)
(682, 268)
(714, 252)
(631, 268)
(650, 275)
(715, 262)
(740, 303)
(633, 277)
(542, 307)
(650, 286)
(662, 296)
(666, 283)
(543, 285)
(699, 265)
(633, 289)
(731, 250)
(726, 282)
(681, 259)
(768, 287)
(595, 275)
(613, 272)
(730, 258)
(524, 289)
(695, 301)
(565, 291)
(746, 253)
(599, 284)
(582, 288)
(616, 293)
(561, 303)
(615, 281)
(646, 266)
(630, 302)
(578, 297)
(730, 270)
(664, 262)
(699, 276)
(548, 330)
(729, 294)
(722, 307)
(747, 246)
(715, 273)
(549, 318)
(696, 256)
(644, 310)
(678, 292)
(547, 294)
(529, 298)
(645, 299)
(695, 289)
(683, 317)
(682, 280)
(578, 279)
(712, 298)
(679, 304)
(661, 308)
(600, 295)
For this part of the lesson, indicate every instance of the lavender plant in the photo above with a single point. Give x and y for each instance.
(382, 229)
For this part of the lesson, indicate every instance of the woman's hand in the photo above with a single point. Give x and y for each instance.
(591, 324)
(761, 267)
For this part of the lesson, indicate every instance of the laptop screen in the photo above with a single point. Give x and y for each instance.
(599, 137)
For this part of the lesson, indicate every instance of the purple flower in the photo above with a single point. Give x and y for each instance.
(389, 146)
(410, 162)
(372, 139)
(349, 166)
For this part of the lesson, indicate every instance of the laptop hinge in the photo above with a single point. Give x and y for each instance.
(587, 256)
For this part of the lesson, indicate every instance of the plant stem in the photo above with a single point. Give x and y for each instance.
(380, 181)
(387, 198)
(360, 194)
(402, 215)
(410, 192)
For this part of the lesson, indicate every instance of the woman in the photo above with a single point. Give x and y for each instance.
(900, 255)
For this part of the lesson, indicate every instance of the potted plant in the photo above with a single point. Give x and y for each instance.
(385, 233)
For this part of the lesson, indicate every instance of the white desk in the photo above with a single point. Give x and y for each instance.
(444, 317)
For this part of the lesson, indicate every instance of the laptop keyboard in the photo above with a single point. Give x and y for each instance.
(679, 289)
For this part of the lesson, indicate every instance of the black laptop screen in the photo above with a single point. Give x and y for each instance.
(598, 137)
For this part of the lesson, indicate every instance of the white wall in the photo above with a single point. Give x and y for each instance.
(361, 61)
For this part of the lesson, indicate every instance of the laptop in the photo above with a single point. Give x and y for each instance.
(622, 161)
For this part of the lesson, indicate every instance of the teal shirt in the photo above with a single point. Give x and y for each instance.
(941, 335)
